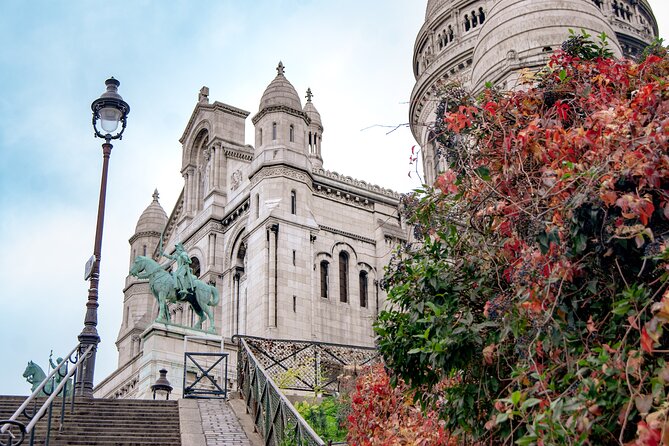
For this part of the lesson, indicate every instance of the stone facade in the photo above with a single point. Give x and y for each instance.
(295, 251)
(472, 42)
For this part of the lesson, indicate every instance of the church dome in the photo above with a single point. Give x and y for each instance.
(523, 34)
(432, 6)
(153, 219)
(280, 92)
(311, 111)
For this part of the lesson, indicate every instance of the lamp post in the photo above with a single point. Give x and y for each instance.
(108, 111)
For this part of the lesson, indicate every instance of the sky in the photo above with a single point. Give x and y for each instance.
(56, 54)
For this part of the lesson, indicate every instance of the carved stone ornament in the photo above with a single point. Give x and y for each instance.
(236, 179)
(277, 172)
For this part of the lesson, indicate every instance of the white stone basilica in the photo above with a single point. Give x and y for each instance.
(295, 251)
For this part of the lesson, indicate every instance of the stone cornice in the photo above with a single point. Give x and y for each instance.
(238, 154)
(348, 234)
(343, 196)
(236, 213)
(344, 180)
(137, 235)
(281, 109)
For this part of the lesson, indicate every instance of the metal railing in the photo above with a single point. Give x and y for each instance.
(307, 365)
(13, 432)
(295, 365)
(205, 384)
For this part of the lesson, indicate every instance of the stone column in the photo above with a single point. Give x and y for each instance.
(191, 190)
(186, 192)
(221, 169)
(217, 167)
(199, 193)
(273, 235)
(234, 326)
(212, 250)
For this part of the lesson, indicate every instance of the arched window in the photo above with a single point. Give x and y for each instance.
(363, 289)
(474, 19)
(260, 137)
(144, 250)
(291, 133)
(195, 266)
(274, 131)
(324, 279)
(343, 276)
(450, 33)
(293, 202)
(467, 23)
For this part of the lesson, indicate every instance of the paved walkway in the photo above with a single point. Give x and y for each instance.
(210, 423)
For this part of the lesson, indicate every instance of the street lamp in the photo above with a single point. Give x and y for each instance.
(108, 111)
(162, 385)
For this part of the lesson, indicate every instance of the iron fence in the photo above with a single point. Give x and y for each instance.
(306, 365)
(265, 366)
(13, 431)
(205, 383)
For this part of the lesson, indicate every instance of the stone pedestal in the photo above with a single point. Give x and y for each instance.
(164, 345)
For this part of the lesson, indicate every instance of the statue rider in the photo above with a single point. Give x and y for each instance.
(58, 365)
(183, 276)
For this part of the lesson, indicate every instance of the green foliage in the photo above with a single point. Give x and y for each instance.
(531, 308)
(584, 48)
(325, 417)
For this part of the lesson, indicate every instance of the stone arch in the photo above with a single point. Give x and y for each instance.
(323, 266)
(196, 266)
(370, 272)
(342, 272)
(339, 246)
(191, 144)
(237, 236)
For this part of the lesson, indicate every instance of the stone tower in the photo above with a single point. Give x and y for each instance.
(138, 303)
(477, 41)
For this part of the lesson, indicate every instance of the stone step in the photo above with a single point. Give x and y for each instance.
(107, 422)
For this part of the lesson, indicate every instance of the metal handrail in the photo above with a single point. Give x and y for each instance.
(12, 421)
(318, 363)
(302, 428)
(34, 395)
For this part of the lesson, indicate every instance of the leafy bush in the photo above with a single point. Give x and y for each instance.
(325, 417)
(386, 415)
(531, 309)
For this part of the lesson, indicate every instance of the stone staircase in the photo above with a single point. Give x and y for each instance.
(108, 422)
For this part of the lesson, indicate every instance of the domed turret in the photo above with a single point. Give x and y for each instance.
(315, 132)
(148, 230)
(280, 92)
(523, 34)
(153, 219)
(281, 123)
(310, 109)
